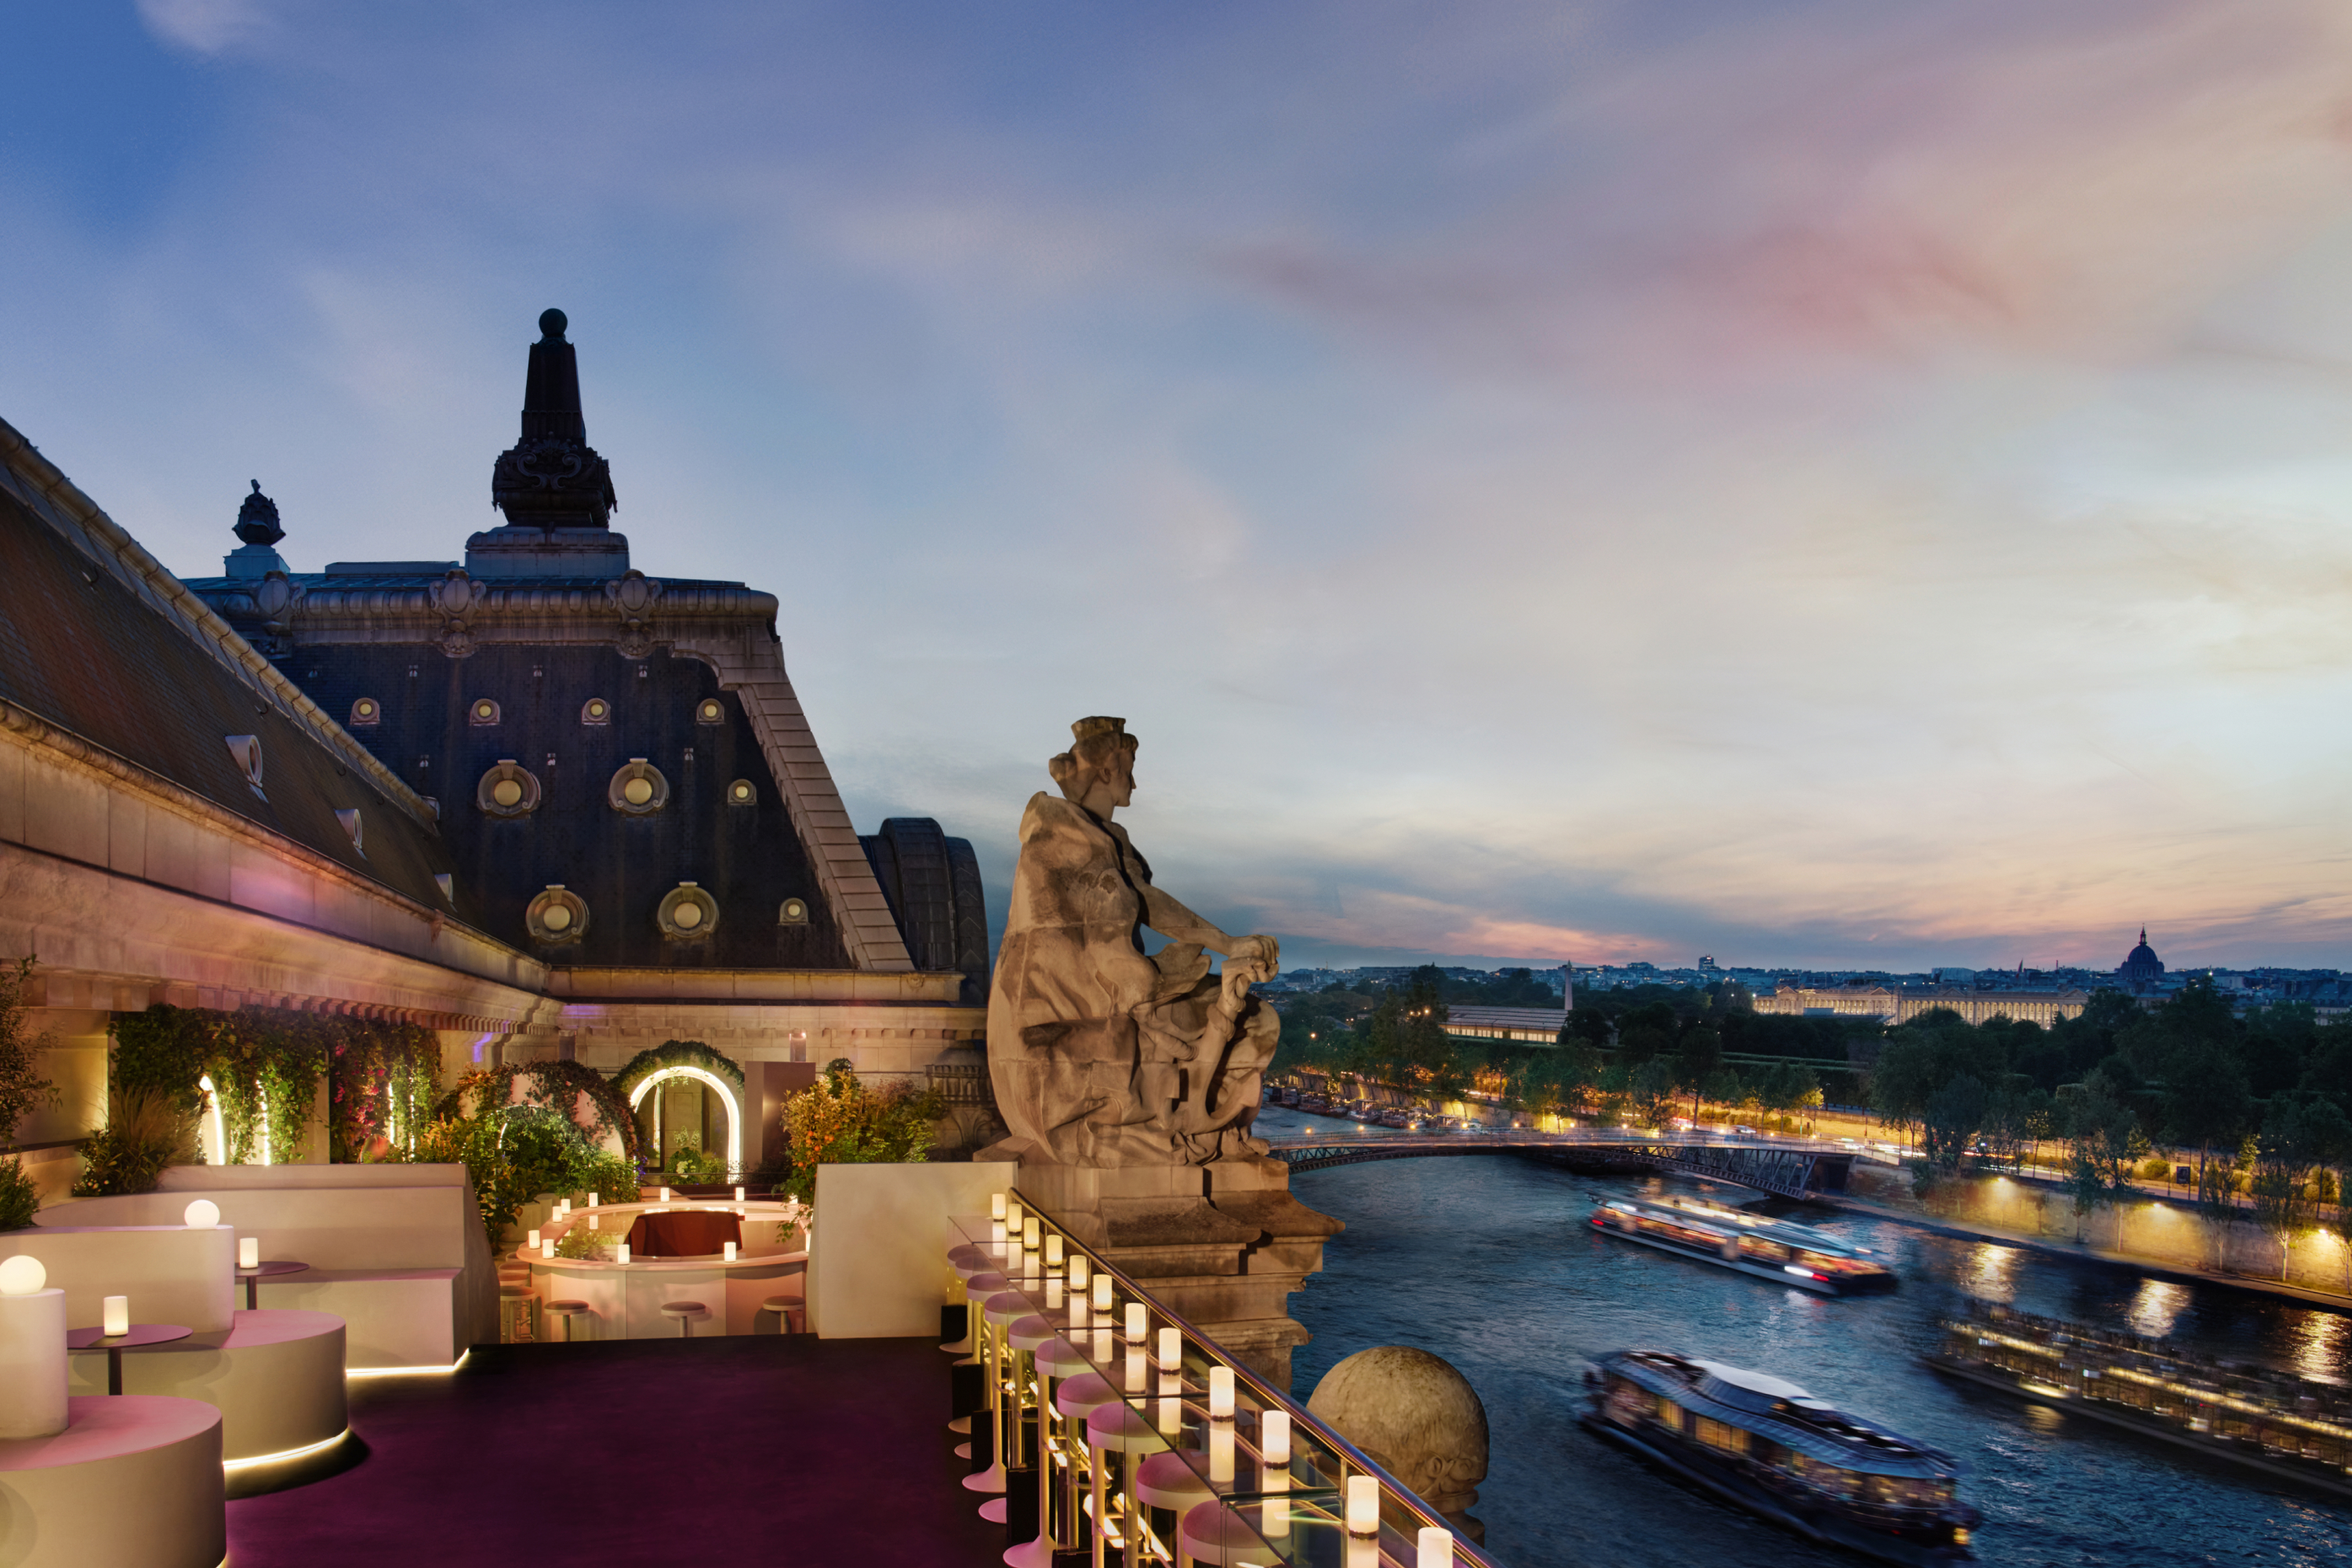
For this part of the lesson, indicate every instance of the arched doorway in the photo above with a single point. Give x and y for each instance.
(711, 1081)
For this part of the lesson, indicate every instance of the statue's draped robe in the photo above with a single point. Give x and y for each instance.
(1102, 1055)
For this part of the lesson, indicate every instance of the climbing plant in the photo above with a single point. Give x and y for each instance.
(561, 1086)
(674, 1054)
(840, 1121)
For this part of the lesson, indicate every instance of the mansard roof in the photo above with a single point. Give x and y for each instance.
(105, 656)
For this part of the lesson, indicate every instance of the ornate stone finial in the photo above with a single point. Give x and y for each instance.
(1086, 728)
(256, 520)
(552, 477)
(1419, 1417)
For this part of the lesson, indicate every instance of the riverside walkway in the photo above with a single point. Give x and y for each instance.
(1788, 1167)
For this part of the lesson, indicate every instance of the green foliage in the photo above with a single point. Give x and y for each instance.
(568, 1086)
(840, 1121)
(145, 1130)
(514, 1154)
(1652, 1089)
(21, 1086)
(674, 1054)
(20, 1199)
(580, 1242)
(691, 1165)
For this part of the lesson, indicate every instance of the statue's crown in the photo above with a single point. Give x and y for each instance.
(1087, 729)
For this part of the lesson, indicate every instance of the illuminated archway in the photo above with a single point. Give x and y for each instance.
(213, 1121)
(710, 1079)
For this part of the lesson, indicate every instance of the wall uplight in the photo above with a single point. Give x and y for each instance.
(248, 1250)
(114, 1316)
(202, 1214)
(1363, 1505)
(1220, 1393)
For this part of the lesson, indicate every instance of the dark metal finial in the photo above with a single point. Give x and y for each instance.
(256, 520)
(551, 326)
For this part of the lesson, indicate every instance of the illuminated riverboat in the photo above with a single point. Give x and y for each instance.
(1749, 1244)
(1772, 1448)
(2286, 1427)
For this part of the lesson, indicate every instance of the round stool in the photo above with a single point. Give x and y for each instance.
(515, 1304)
(784, 1307)
(1164, 1481)
(1118, 1439)
(567, 1311)
(1213, 1533)
(685, 1312)
(1008, 1388)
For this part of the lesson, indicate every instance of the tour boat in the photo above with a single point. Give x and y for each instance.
(1777, 1451)
(1729, 1238)
(2285, 1427)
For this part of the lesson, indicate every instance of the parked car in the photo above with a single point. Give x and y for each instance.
(1746, 1131)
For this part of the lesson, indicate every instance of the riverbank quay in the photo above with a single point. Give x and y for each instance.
(2335, 1300)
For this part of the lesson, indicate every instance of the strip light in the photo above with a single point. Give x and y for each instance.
(408, 1370)
(283, 1455)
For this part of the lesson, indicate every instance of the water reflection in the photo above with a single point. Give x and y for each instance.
(1488, 1263)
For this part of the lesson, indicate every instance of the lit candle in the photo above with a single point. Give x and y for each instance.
(1273, 1437)
(534, 1241)
(739, 1194)
(1172, 1348)
(248, 1251)
(1013, 1217)
(115, 1316)
(1078, 1272)
(665, 1197)
(1135, 1326)
(593, 1221)
(1363, 1505)
(1135, 1371)
(592, 1200)
(1221, 1453)
(1221, 1392)
(1436, 1548)
(996, 1206)
(729, 1249)
(621, 1254)
(1171, 1417)
(1030, 1234)
(1053, 1251)
(547, 1249)
(1102, 1347)
(1102, 1294)
(1052, 1294)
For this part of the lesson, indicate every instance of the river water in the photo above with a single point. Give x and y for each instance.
(1491, 1264)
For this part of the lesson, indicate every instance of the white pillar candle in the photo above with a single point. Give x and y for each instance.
(665, 1195)
(31, 1350)
(1053, 1251)
(1052, 1294)
(1078, 1272)
(1102, 1294)
(547, 1249)
(1136, 1324)
(1436, 1548)
(729, 1249)
(996, 1235)
(1172, 1349)
(1363, 1505)
(739, 1194)
(1221, 1452)
(996, 1206)
(1221, 1392)
(1031, 1235)
(621, 1253)
(248, 1251)
(1078, 1309)
(592, 1222)
(592, 1200)
(1013, 1217)
(1102, 1347)
(1273, 1437)
(114, 1313)
(1135, 1371)
(534, 1242)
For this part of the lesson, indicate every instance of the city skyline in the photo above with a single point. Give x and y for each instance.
(1853, 490)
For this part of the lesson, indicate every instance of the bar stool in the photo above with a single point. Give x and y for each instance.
(567, 1311)
(967, 1260)
(685, 1312)
(1017, 1446)
(998, 1311)
(978, 1288)
(786, 1308)
(515, 1314)
(1168, 1490)
(1060, 1454)
(1118, 1438)
(1213, 1533)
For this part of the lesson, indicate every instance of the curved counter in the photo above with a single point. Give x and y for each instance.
(625, 1299)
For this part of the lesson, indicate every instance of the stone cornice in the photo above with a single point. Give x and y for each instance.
(363, 610)
(49, 494)
(582, 985)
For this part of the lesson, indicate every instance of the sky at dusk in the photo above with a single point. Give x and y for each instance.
(1846, 483)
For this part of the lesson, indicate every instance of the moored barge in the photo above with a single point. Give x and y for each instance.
(2285, 1427)
(1749, 1244)
(1774, 1449)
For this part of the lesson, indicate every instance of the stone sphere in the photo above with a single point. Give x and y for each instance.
(1415, 1415)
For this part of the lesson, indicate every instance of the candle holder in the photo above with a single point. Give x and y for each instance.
(621, 1253)
(114, 1317)
(728, 1248)
(248, 1250)
(1221, 1394)
(996, 1206)
(1363, 1506)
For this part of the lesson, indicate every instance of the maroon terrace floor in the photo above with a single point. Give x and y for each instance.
(753, 1449)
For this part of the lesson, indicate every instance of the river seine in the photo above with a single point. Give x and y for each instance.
(1490, 1263)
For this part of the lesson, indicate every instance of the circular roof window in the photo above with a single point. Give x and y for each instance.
(557, 915)
(638, 789)
(794, 912)
(595, 710)
(687, 913)
(366, 711)
(483, 711)
(508, 790)
(741, 793)
(709, 711)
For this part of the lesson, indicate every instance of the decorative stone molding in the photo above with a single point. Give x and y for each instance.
(634, 595)
(455, 597)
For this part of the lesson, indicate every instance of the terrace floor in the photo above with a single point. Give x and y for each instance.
(750, 1448)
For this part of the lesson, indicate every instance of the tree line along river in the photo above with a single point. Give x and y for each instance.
(1490, 1263)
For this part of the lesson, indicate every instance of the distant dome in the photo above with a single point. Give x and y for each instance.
(2141, 962)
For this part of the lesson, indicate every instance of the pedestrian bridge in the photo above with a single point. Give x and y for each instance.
(1790, 1167)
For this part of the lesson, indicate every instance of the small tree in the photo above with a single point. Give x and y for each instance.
(839, 1122)
(22, 1088)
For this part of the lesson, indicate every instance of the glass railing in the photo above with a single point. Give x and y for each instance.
(1293, 1491)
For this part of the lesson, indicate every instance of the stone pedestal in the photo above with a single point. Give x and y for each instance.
(1224, 1244)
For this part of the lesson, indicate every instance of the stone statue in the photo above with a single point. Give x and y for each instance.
(1102, 1055)
(1418, 1418)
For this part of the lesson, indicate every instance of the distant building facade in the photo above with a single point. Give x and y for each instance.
(1889, 1004)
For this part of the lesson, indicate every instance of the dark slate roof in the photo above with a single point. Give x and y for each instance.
(98, 640)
